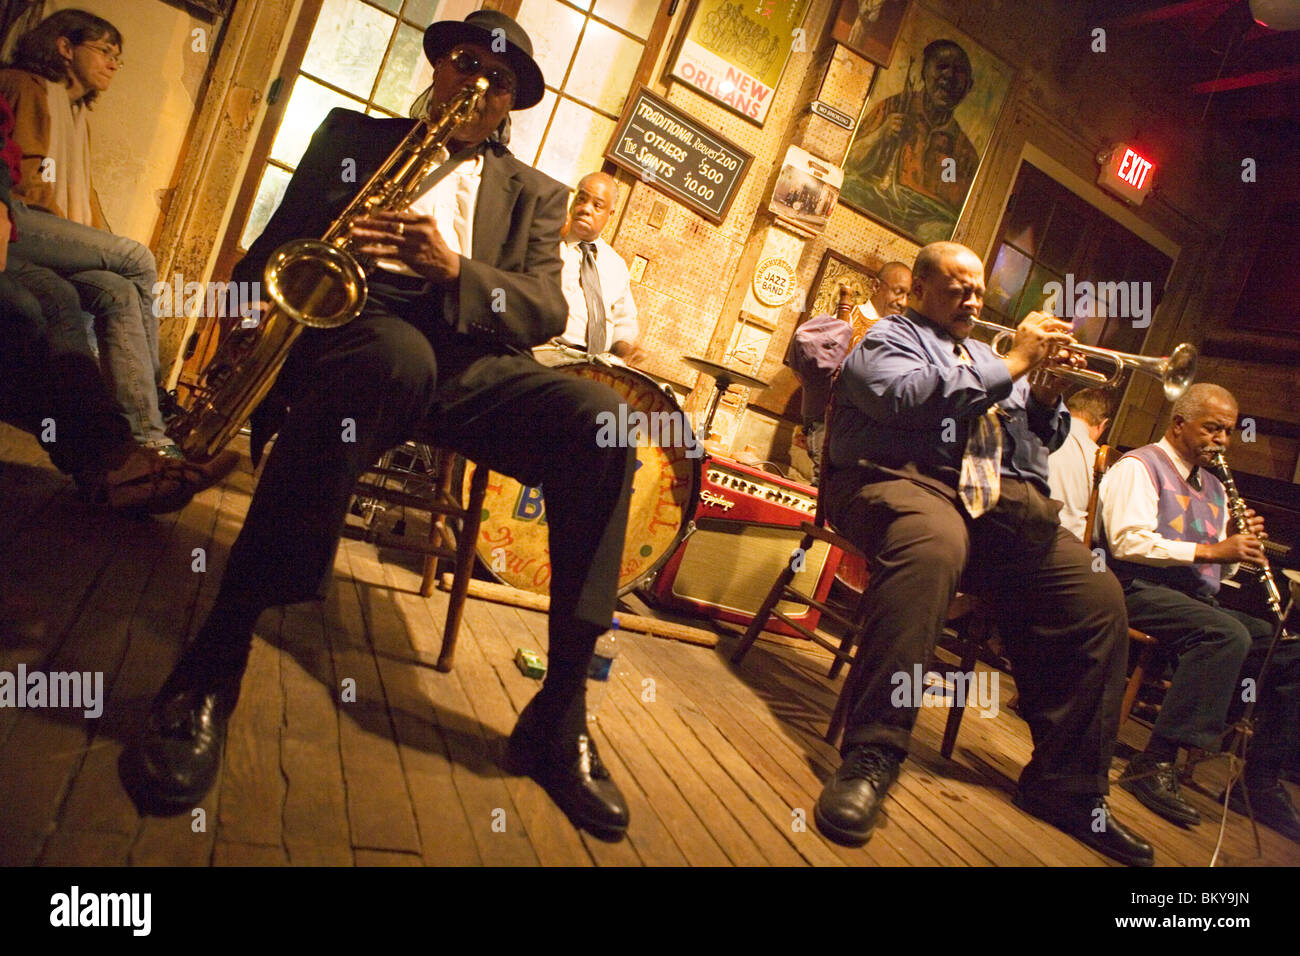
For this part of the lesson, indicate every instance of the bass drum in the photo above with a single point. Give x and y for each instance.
(512, 543)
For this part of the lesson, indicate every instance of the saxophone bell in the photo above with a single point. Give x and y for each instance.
(315, 283)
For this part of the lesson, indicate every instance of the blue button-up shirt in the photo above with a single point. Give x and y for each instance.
(905, 399)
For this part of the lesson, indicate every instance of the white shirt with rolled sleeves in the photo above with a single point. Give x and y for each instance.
(615, 289)
(1069, 472)
(1128, 509)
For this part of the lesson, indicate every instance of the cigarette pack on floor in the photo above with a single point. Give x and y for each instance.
(530, 663)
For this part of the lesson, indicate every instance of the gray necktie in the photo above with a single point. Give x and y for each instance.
(590, 281)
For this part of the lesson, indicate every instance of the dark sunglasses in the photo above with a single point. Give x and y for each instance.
(468, 64)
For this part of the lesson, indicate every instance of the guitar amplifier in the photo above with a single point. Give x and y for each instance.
(746, 527)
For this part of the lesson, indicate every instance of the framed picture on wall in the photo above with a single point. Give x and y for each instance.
(734, 51)
(923, 130)
(836, 269)
(869, 27)
(806, 191)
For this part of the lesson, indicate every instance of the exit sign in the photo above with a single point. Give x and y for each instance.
(1127, 173)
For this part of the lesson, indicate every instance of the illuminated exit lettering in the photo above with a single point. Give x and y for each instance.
(1126, 173)
(1133, 169)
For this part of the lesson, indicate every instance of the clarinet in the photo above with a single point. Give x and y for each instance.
(1237, 508)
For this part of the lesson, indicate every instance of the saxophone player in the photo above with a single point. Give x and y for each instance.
(468, 280)
(1164, 523)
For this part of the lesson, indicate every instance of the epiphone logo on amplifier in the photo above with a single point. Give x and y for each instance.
(716, 500)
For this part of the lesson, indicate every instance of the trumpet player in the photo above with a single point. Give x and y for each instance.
(468, 280)
(1165, 525)
(936, 465)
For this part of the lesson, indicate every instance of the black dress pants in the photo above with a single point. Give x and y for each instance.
(361, 389)
(1216, 651)
(1062, 618)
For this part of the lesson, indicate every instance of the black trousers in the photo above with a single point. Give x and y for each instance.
(1218, 653)
(48, 372)
(1062, 618)
(361, 389)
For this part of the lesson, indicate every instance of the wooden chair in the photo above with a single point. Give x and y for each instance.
(1149, 645)
(966, 612)
(428, 488)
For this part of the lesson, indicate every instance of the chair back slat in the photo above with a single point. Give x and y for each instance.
(1105, 458)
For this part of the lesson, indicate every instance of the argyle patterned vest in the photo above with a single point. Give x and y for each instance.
(1183, 514)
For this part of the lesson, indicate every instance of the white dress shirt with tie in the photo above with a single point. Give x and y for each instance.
(615, 289)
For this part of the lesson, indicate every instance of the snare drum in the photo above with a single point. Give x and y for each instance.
(512, 542)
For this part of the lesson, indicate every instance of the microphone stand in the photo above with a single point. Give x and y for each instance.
(1242, 730)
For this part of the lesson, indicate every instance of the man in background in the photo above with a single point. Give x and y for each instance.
(820, 345)
(596, 282)
(1070, 466)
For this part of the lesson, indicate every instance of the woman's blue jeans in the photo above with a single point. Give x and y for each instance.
(115, 277)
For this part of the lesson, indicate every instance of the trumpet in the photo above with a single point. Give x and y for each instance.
(1176, 371)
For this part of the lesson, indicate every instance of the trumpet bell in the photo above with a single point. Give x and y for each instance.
(316, 283)
(1178, 371)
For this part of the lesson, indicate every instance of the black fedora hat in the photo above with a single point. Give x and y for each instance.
(492, 29)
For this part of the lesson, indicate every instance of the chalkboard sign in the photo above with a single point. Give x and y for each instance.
(675, 154)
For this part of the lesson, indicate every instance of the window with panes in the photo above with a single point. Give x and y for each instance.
(1049, 233)
(368, 55)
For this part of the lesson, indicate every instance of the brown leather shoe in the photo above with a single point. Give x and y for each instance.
(154, 483)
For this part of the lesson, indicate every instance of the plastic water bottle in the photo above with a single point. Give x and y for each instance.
(601, 669)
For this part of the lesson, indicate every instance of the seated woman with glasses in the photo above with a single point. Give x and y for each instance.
(58, 70)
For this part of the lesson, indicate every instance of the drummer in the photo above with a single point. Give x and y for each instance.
(596, 283)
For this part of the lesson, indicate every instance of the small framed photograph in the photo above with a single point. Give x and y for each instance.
(869, 27)
(806, 190)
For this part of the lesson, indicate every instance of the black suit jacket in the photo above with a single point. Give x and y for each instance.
(508, 295)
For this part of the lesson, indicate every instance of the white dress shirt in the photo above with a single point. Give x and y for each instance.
(615, 289)
(1129, 514)
(1069, 473)
(451, 202)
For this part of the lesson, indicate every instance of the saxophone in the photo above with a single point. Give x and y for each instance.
(1237, 508)
(311, 282)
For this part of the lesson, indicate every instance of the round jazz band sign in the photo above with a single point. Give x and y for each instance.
(774, 282)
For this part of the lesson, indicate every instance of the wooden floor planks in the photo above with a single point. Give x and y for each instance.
(349, 748)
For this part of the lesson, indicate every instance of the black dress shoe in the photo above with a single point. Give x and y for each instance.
(1272, 806)
(849, 804)
(173, 764)
(1157, 789)
(1089, 820)
(569, 768)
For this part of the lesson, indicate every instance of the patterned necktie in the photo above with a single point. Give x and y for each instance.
(590, 281)
(981, 476)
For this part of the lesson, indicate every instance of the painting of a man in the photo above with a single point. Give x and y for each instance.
(915, 152)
